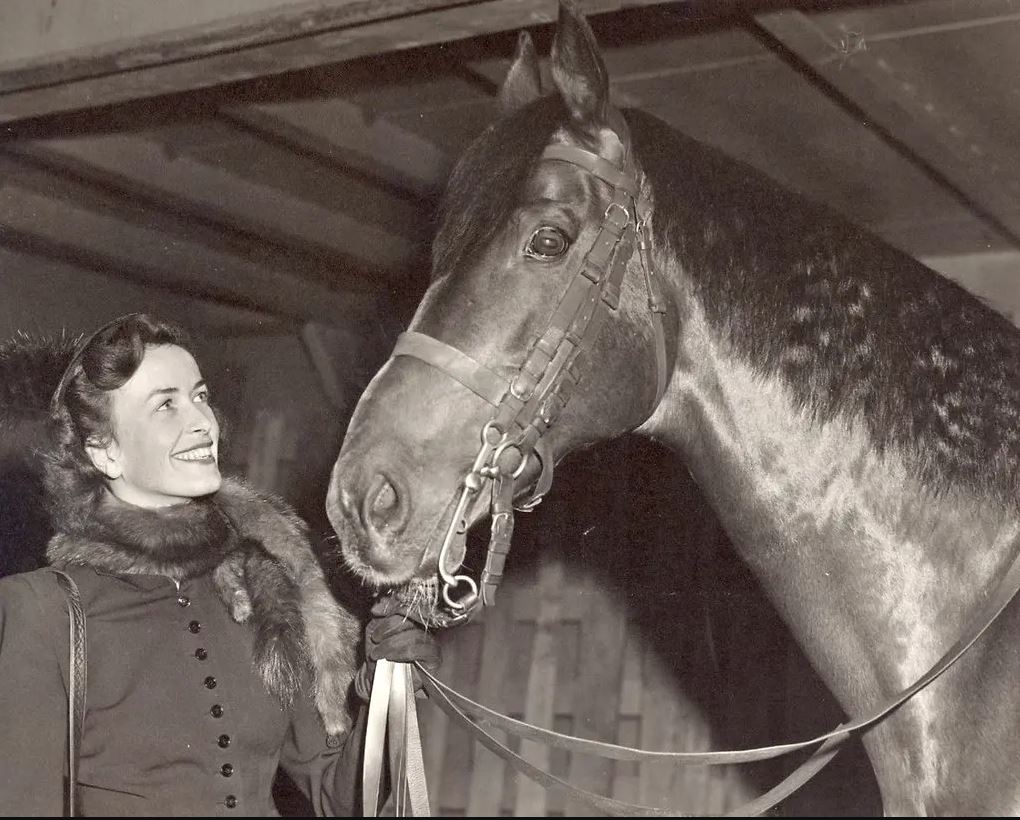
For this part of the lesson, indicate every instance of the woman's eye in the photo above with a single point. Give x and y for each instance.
(547, 243)
(202, 397)
(165, 405)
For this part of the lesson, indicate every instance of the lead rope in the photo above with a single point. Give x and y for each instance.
(393, 717)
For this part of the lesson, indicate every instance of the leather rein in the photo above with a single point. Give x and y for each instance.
(525, 406)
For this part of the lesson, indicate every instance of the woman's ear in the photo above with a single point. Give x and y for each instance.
(105, 457)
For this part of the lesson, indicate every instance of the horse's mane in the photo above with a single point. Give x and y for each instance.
(855, 327)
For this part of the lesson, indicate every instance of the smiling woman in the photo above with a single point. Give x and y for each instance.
(216, 651)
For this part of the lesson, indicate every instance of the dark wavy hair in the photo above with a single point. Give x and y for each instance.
(80, 407)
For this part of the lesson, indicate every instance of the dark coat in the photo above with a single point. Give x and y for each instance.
(200, 682)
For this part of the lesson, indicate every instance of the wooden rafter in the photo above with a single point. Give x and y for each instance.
(907, 110)
(232, 48)
(37, 215)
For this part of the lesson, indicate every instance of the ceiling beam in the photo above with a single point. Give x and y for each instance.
(191, 196)
(135, 62)
(341, 132)
(38, 276)
(877, 83)
(34, 222)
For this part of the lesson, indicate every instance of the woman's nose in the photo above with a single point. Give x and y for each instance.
(201, 422)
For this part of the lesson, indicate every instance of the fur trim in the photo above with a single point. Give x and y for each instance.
(30, 369)
(262, 565)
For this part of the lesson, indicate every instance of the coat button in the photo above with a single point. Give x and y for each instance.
(194, 627)
(223, 741)
(230, 801)
(226, 770)
(210, 682)
(201, 654)
(183, 600)
(216, 711)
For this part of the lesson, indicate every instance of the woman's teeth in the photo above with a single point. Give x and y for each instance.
(198, 454)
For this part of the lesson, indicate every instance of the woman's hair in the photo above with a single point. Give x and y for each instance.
(103, 362)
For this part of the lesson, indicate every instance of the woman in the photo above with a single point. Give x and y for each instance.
(216, 652)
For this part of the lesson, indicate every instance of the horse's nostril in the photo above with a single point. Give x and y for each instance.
(384, 506)
(385, 499)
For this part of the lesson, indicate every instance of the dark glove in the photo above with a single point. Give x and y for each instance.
(393, 635)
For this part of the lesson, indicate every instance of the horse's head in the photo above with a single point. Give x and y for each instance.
(540, 331)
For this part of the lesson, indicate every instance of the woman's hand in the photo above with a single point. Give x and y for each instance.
(393, 635)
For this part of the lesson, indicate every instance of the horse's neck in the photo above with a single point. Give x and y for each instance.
(874, 575)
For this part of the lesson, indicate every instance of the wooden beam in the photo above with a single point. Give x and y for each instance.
(35, 285)
(342, 132)
(232, 48)
(42, 225)
(876, 82)
(316, 340)
(290, 232)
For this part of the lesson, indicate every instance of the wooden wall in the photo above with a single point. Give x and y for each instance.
(627, 618)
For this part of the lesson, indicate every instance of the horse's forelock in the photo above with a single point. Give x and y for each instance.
(486, 185)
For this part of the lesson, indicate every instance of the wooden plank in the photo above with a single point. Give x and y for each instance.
(265, 450)
(301, 35)
(435, 727)
(67, 232)
(907, 112)
(531, 798)
(277, 225)
(596, 698)
(486, 791)
(316, 340)
(626, 774)
(344, 132)
(33, 297)
(454, 785)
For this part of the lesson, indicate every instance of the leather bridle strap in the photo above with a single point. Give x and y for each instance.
(460, 367)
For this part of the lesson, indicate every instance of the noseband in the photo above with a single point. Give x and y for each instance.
(527, 404)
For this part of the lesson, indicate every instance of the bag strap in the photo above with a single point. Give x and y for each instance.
(77, 664)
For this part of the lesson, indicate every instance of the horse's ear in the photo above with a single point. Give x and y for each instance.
(523, 82)
(577, 67)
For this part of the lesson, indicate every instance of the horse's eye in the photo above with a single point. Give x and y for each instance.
(547, 243)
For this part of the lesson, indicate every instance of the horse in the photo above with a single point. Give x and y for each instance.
(852, 416)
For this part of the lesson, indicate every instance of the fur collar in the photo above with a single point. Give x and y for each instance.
(262, 565)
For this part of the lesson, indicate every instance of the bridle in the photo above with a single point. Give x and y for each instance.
(527, 404)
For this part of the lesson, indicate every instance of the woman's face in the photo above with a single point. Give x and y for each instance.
(165, 435)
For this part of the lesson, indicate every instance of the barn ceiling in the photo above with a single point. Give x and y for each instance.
(280, 162)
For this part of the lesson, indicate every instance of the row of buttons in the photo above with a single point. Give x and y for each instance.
(223, 741)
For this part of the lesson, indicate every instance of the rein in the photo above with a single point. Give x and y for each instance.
(479, 720)
(528, 403)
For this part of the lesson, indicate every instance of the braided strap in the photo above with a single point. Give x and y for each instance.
(77, 665)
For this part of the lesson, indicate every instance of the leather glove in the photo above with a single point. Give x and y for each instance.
(394, 635)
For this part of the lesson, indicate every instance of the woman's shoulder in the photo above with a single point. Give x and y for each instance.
(32, 595)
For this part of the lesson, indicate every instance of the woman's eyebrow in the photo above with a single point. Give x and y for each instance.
(162, 391)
